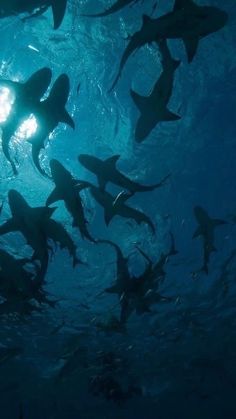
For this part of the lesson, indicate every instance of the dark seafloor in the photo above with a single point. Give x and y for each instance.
(180, 358)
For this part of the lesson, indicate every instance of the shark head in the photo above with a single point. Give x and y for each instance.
(89, 162)
(212, 19)
(17, 203)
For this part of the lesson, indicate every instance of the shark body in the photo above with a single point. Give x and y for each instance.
(106, 171)
(67, 189)
(34, 8)
(49, 113)
(154, 108)
(187, 21)
(26, 96)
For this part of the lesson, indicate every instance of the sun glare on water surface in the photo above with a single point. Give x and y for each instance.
(7, 99)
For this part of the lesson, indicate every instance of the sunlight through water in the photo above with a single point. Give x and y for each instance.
(27, 129)
(7, 99)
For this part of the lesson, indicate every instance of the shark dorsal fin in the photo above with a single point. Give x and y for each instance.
(58, 10)
(140, 101)
(111, 161)
(42, 212)
(184, 4)
(146, 19)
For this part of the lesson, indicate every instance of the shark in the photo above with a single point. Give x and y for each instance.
(26, 96)
(17, 283)
(143, 290)
(187, 21)
(117, 206)
(29, 221)
(123, 277)
(154, 107)
(67, 189)
(206, 230)
(49, 113)
(58, 234)
(116, 7)
(34, 8)
(106, 171)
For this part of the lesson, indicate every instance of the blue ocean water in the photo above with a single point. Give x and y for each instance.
(179, 357)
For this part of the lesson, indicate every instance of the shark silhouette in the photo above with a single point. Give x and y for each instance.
(34, 8)
(123, 277)
(49, 113)
(29, 222)
(106, 171)
(26, 96)
(187, 21)
(17, 283)
(143, 290)
(58, 234)
(67, 189)
(153, 108)
(116, 7)
(117, 206)
(206, 229)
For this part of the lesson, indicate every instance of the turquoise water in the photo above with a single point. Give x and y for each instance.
(180, 356)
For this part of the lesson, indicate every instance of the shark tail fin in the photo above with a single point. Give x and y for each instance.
(58, 10)
(161, 183)
(35, 157)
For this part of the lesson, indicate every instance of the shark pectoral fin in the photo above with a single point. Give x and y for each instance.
(170, 116)
(112, 290)
(217, 222)
(140, 101)
(121, 198)
(79, 185)
(58, 10)
(191, 45)
(198, 232)
(66, 118)
(53, 197)
(8, 227)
